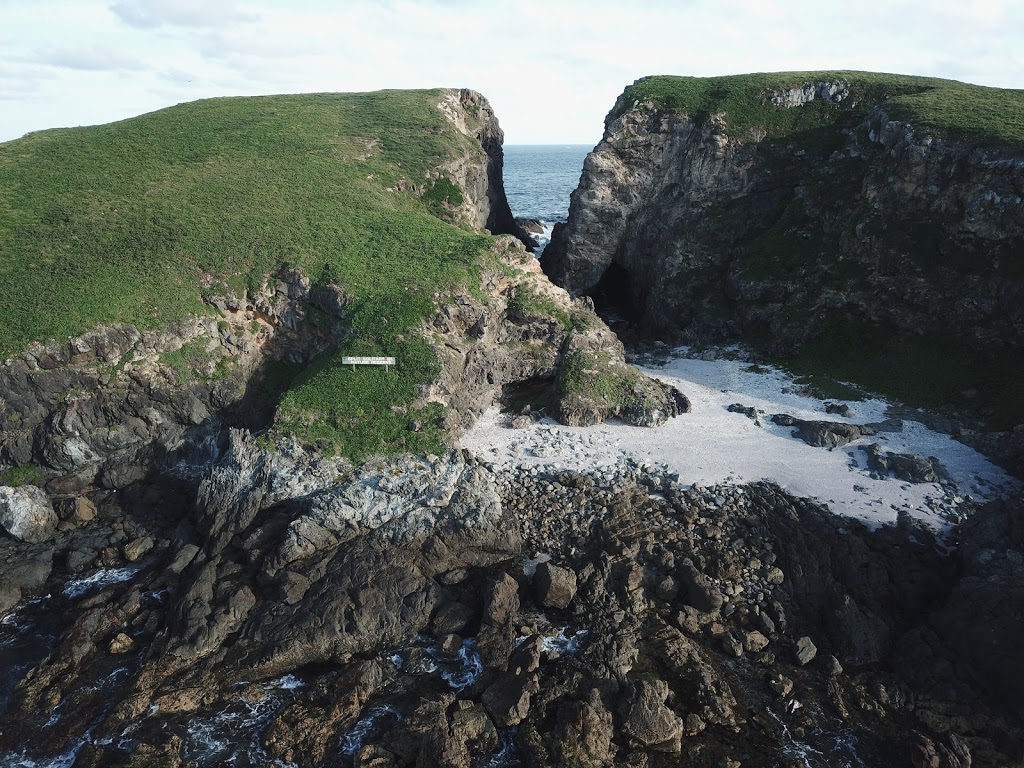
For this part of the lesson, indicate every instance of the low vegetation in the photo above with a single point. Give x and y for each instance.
(126, 222)
(959, 110)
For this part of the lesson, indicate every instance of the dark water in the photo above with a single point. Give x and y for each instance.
(539, 179)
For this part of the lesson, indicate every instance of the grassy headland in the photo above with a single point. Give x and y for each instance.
(951, 108)
(130, 222)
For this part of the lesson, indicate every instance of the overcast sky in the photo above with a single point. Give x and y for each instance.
(551, 68)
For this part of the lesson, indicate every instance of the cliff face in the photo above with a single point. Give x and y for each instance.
(860, 242)
(479, 172)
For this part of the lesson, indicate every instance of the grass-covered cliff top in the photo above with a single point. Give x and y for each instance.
(128, 221)
(132, 222)
(958, 110)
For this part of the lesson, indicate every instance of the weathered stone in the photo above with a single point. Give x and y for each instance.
(781, 684)
(647, 720)
(700, 592)
(122, 643)
(452, 618)
(805, 651)
(555, 587)
(754, 642)
(84, 510)
(135, 549)
(508, 699)
(27, 514)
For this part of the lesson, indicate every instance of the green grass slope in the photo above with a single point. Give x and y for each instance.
(957, 110)
(128, 222)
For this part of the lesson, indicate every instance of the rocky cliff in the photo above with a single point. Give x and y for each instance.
(839, 220)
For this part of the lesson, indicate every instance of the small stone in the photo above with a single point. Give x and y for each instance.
(775, 576)
(694, 725)
(731, 645)
(832, 665)
(781, 684)
(85, 510)
(122, 643)
(805, 650)
(136, 548)
(754, 641)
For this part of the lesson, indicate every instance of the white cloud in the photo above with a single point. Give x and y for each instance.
(95, 58)
(551, 68)
(150, 14)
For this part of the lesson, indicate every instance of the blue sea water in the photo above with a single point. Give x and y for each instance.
(539, 178)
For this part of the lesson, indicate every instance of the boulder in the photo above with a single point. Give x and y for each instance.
(647, 720)
(805, 651)
(701, 593)
(27, 514)
(555, 587)
(824, 434)
(508, 699)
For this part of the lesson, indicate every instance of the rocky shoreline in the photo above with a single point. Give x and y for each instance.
(441, 611)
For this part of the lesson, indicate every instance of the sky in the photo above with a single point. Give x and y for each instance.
(550, 68)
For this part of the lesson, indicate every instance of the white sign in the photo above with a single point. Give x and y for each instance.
(354, 361)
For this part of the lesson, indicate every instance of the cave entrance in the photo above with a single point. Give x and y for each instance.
(613, 298)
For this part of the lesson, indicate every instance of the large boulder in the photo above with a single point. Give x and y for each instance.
(27, 514)
(555, 587)
(648, 721)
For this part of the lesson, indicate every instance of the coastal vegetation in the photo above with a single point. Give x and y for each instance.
(135, 221)
(954, 109)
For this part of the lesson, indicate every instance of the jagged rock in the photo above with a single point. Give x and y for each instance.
(646, 718)
(27, 514)
(700, 592)
(824, 434)
(806, 650)
(135, 549)
(832, 666)
(839, 409)
(452, 618)
(781, 684)
(474, 728)
(754, 642)
(904, 466)
(555, 587)
(929, 754)
(122, 643)
(586, 729)
(502, 600)
(751, 413)
(508, 699)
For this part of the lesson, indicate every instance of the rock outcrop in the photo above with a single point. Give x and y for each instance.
(863, 238)
(27, 514)
(385, 616)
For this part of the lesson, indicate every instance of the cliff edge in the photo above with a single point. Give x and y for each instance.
(863, 225)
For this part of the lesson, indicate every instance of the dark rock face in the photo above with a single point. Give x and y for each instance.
(869, 238)
(983, 619)
(698, 618)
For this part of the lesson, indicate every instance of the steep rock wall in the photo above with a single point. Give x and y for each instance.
(870, 239)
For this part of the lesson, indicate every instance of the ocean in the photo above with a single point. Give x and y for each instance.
(539, 179)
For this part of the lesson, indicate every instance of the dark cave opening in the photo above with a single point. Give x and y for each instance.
(613, 298)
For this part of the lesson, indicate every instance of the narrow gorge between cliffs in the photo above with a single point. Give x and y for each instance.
(623, 516)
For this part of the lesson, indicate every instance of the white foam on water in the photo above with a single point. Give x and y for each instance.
(468, 669)
(363, 729)
(286, 683)
(507, 754)
(563, 643)
(102, 578)
(232, 736)
(711, 445)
